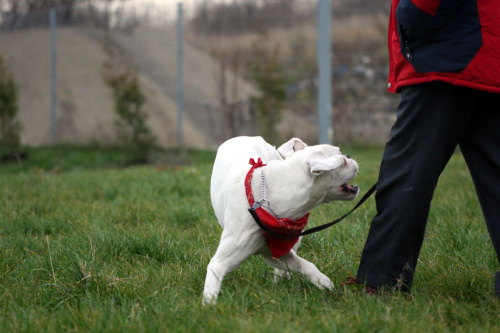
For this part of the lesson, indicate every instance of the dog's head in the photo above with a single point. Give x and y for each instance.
(330, 169)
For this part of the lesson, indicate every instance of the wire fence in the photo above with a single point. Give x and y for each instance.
(249, 68)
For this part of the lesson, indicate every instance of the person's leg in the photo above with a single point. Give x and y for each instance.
(430, 121)
(480, 146)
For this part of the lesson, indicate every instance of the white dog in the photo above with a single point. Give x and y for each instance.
(296, 179)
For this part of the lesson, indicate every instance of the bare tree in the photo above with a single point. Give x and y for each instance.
(242, 16)
(28, 13)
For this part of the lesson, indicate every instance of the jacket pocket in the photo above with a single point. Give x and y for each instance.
(405, 44)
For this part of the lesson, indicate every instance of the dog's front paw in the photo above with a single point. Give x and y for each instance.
(324, 283)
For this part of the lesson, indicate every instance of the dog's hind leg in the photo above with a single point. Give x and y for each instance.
(293, 263)
(232, 251)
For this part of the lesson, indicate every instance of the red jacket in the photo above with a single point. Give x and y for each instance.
(455, 41)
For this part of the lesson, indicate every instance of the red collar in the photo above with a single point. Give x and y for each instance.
(278, 246)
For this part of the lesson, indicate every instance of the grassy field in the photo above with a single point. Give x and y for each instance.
(89, 245)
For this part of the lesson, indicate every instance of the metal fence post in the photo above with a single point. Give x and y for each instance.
(180, 85)
(53, 83)
(325, 109)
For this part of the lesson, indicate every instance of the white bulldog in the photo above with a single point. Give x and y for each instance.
(296, 179)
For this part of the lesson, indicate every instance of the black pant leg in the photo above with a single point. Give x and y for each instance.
(430, 121)
(480, 146)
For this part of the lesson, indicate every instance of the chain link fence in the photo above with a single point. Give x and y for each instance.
(249, 68)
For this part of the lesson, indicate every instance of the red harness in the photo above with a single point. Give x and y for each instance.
(283, 226)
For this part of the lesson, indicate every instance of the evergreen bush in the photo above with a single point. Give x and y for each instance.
(10, 127)
(129, 101)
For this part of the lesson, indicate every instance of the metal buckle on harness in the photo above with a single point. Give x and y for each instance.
(255, 206)
(261, 203)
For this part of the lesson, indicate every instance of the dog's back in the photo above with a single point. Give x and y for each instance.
(230, 168)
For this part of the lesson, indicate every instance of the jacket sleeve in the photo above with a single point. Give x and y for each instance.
(419, 18)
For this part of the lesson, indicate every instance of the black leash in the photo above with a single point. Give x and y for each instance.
(312, 230)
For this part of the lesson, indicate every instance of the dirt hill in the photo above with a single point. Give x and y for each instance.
(84, 103)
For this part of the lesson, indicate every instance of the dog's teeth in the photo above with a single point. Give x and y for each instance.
(352, 189)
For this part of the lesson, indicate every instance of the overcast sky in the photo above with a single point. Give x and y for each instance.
(163, 9)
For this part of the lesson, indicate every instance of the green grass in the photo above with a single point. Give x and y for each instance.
(88, 245)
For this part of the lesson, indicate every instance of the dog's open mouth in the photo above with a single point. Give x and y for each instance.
(349, 189)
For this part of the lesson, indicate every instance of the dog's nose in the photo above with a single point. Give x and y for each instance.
(347, 156)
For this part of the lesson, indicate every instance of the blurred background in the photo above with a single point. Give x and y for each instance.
(103, 71)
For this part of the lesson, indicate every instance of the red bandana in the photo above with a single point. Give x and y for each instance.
(283, 226)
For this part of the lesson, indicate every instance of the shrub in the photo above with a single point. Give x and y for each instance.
(10, 128)
(129, 101)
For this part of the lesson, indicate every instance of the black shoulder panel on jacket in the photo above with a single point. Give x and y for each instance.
(450, 47)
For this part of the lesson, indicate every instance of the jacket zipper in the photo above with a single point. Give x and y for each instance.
(408, 53)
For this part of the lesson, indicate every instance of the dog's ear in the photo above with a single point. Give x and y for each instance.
(291, 146)
(318, 162)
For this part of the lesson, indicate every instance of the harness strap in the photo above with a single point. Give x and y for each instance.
(312, 230)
